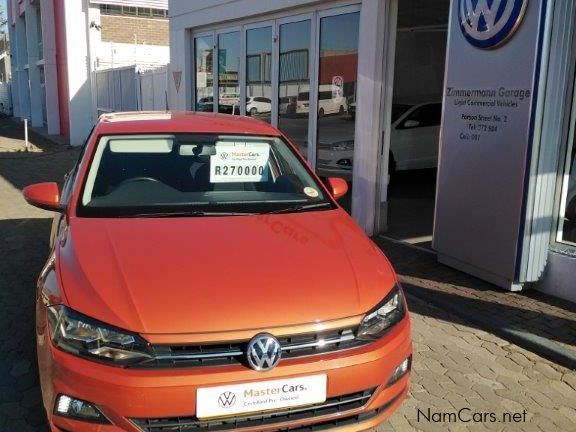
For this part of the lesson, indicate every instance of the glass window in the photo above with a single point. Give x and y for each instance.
(144, 12)
(110, 10)
(199, 175)
(568, 221)
(203, 47)
(337, 96)
(258, 72)
(294, 82)
(158, 13)
(129, 10)
(228, 69)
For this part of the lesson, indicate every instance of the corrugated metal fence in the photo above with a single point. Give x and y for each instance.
(153, 89)
(131, 89)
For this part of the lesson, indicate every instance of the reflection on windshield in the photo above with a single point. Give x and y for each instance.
(199, 174)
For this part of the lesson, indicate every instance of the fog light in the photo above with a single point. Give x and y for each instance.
(67, 406)
(401, 370)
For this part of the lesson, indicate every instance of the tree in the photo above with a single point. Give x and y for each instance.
(3, 19)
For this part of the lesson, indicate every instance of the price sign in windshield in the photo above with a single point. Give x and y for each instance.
(236, 162)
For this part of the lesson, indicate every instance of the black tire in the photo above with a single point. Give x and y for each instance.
(341, 110)
(253, 111)
(321, 112)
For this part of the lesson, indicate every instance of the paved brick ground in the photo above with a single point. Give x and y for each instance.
(530, 312)
(455, 365)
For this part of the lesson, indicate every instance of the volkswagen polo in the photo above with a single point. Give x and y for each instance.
(202, 277)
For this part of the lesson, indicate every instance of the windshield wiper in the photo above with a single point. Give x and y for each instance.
(299, 208)
(192, 213)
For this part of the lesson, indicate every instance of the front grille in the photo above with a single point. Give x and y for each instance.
(169, 356)
(336, 405)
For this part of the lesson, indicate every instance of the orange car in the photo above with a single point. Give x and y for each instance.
(203, 278)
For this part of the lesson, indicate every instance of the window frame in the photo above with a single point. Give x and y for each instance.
(273, 67)
(563, 182)
(216, 64)
(194, 104)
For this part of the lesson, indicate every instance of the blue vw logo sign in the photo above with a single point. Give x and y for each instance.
(490, 23)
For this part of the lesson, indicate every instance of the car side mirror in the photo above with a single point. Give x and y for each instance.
(43, 195)
(411, 124)
(337, 186)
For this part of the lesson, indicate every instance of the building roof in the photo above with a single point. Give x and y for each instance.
(182, 122)
(155, 4)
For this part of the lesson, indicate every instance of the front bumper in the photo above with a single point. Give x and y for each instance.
(125, 394)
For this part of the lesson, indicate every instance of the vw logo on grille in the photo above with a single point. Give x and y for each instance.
(263, 352)
(227, 400)
(490, 23)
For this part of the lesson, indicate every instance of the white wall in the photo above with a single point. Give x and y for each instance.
(179, 97)
(559, 276)
(111, 55)
(79, 71)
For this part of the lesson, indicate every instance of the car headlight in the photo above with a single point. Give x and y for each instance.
(82, 336)
(385, 315)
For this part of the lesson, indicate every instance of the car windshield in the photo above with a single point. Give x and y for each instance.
(140, 175)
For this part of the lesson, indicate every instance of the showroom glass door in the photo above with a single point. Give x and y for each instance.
(228, 67)
(204, 77)
(336, 97)
(294, 71)
(259, 72)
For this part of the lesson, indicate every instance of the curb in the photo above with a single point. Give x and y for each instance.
(546, 348)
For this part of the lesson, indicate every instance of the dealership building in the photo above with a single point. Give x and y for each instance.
(453, 122)
(57, 45)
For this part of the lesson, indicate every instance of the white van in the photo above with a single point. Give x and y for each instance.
(326, 103)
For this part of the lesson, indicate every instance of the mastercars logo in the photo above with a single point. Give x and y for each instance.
(490, 23)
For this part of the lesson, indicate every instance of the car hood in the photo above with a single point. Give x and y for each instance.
(212, 274)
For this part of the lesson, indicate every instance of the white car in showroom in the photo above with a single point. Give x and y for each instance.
(413, 142)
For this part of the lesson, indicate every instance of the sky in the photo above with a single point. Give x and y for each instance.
(4, 8)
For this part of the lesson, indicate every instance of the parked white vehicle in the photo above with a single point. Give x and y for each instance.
(327, 104)
(257, 105)
(413, 142)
